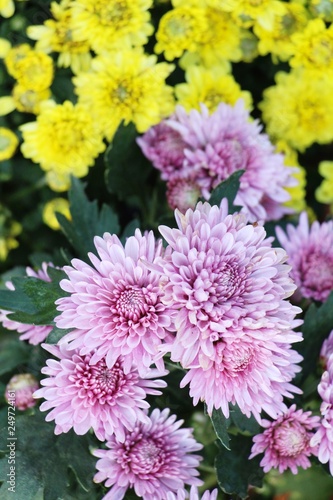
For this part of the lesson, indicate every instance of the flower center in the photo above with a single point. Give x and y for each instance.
(98, 383)
(146, 457)
(121, 93)
(132, 304)
(28, 99)
(124, 96)
(4, 143)
(228, 281)
(233, 358)
(288, 23)
(116, 13)
(290, 439)
(178, 27)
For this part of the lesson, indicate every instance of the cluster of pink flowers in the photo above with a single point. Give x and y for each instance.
(196, 151)
(233, 324)
(310, 254)
(215, 299)
(323, 438)
(34, 334)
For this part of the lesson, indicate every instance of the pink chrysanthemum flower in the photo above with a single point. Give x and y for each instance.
(310, 254)
(155, 459)
(87, 395)
(286, 441)
(194, 495)
(182, 193)
(324, 435)
(234, 326)
(116, 308)
(326, 350)
(217, 145)
(164, 147)
(34, 334)
(20, 389)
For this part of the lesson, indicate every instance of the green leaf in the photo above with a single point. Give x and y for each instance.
(127, 168)
(12, 354)
(56, 334)
(316, 328)
(235, 472)
(28, 482)
(6, 170)
(227, 189)
(87, 221)
(33, 299)
(221, 424)
(74, 450)
(49, 461)
(242, 422)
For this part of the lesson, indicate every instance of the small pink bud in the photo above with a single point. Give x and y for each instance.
(20, 389)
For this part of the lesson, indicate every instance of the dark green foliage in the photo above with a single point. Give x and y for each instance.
(13, 353)
(242, 422)
(318, 323)
(127, 169)
(33, 299)
(87, 220)
(235, 472)
(227, 189)
(221, 425)
(44, 461)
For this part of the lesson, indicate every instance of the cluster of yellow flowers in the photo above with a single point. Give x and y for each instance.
(116, 78)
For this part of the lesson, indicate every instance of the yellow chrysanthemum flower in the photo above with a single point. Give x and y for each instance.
(221, 39)
(56, 35)
(127, 85)
(64, 139)
(33, 69)
(8, 143)
(298, 192)
(299, 108)
(60, 205)
(13, 57)
(180, 29)
(250, 12)
(278, 40)
(9, 229)
(7, 8)
(200, 32)
(111, 24)
(314, 46)
(211, 87)
(324, 194)
(322, 9)
(24, 100)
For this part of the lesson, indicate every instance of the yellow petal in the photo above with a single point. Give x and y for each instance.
(5, 47)
(8, 10)
(7, 105)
